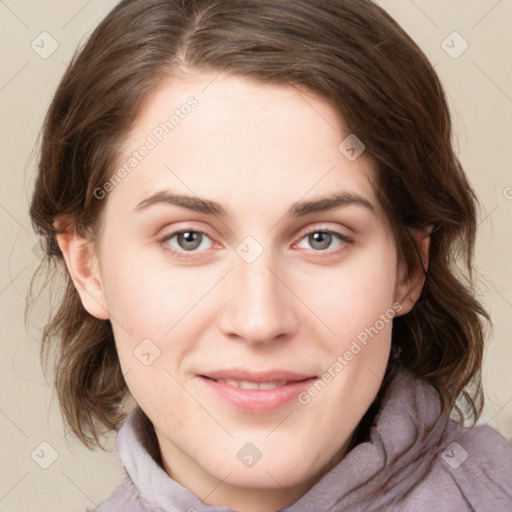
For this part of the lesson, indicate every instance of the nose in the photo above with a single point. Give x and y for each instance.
(258, 305)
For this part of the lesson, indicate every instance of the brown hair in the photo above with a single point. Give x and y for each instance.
(351, 53)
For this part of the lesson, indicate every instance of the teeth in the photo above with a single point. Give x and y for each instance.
(243, 384)
(271, 385)
(246, 385)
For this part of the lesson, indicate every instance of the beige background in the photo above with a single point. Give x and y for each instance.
(479, 87)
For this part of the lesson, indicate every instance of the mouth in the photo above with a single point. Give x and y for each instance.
(245, 384)
(256, 392)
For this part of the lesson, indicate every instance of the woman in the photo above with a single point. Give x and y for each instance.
(260, 214)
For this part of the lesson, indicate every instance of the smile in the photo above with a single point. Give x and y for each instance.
(244, 384)
(256, 393)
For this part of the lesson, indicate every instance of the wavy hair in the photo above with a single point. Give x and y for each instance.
(356, 57)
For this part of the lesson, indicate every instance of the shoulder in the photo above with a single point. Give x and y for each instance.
(126, 498)
(473, 470)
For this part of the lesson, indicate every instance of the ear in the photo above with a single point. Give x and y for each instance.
(410, 281)
(83, 267)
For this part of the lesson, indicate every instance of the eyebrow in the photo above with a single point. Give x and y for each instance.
(298, 209)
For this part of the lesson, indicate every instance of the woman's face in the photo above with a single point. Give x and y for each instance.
(252, 321)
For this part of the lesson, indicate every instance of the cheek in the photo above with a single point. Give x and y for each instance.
(149, 298)
(354, 295)
(154, 309)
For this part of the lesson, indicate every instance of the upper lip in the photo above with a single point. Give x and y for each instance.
(241, 374)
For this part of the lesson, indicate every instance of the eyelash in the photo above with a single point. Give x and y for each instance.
(186, 255)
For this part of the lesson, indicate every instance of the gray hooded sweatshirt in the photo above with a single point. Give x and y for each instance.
(403, 466)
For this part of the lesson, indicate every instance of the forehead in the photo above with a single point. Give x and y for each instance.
(239, 143)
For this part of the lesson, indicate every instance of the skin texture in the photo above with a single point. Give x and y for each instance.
(256, 149)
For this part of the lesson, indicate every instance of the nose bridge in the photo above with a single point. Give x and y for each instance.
(260, 307)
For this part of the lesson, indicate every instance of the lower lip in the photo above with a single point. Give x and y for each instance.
(258, 400)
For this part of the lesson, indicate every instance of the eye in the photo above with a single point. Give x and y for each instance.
(320, 240)
(189, 240)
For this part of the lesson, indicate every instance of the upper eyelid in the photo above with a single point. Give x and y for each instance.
(322, 228)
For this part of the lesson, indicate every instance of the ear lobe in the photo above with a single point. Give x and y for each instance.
(82, 265)
(410, 283)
